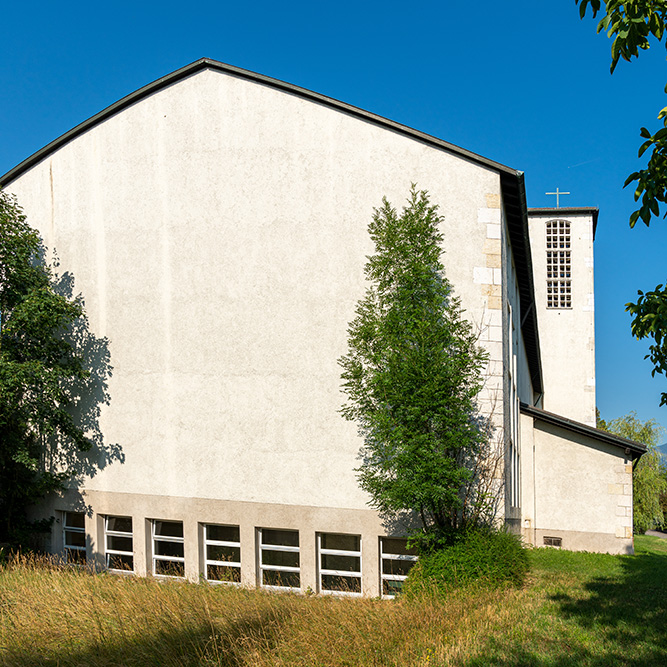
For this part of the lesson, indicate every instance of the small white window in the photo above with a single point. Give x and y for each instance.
(279, 558)
(118, 543)
(222, 547)
(340, 563)
(74, 537)
(168, 548)
(397, 561)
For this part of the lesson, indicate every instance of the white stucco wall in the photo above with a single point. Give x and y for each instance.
(217, 232)
(575, 488)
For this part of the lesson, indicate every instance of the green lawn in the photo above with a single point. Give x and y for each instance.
(588, 609)
(576, 609)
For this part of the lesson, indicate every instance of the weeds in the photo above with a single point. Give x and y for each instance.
(577, 609)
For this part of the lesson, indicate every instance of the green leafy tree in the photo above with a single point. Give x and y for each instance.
(599, 422)
(663, 496)
(38, 369)
(633, 24)
(648, 479)
(650, 321)
(412, 374)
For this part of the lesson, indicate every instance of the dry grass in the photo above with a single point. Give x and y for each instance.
(62, 616)
(578, 609)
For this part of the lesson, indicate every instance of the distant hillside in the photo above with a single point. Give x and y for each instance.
(663, 452)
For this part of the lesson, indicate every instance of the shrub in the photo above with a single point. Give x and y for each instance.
(479, 556)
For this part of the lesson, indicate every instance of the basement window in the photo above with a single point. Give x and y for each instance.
(340, 563)
(168, 548)
(397, 561)
(279, 559)
(222, 547)
(553, 541)
(118, 543)
(74, 537)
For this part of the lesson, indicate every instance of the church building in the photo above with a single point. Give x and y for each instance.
(215, 224)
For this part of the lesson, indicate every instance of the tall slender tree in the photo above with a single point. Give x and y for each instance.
(412, 374)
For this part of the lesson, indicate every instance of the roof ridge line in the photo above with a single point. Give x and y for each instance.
(208, 63)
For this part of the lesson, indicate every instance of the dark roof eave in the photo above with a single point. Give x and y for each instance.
(516, 211)
(205, 63)
(630, 446)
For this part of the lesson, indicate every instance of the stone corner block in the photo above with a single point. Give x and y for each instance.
(492, 200)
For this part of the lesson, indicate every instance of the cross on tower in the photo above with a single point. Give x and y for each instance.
(558, 193)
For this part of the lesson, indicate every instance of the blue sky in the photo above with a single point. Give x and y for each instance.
(524, 83)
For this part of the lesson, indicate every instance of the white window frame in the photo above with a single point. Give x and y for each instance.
(67, 528)
(278, 568)
(338, 573)
(168, 559)
(221, 563)
(391, 556)
(117, 552)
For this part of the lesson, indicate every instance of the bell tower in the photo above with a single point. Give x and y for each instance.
(561, 241)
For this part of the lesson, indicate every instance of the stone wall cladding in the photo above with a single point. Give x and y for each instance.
(488, 276)
(622, 489)
(489, 279)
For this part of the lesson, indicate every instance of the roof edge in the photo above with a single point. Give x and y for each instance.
(636, 448)
(206, 63)
(512, 180)
(563, 209)
(516, 210)
(569, 210)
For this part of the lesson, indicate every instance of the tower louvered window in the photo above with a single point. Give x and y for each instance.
(559, 266)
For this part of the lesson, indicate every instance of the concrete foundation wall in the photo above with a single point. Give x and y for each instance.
(195, 512)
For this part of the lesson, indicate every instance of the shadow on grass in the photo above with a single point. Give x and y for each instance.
(619, 620)
(233, 646)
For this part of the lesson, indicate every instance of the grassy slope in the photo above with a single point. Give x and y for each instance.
(587, 609)
(578, 609)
